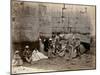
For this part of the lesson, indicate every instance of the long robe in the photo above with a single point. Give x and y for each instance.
(41, 55)
(36, 55)
(17, 60)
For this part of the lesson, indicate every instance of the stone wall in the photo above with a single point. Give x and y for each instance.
(29, 19)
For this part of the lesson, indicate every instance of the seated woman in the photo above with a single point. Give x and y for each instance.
(17, 61)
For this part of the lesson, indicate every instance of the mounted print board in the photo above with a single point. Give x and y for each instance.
(52, 37)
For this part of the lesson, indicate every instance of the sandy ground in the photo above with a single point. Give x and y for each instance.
(87, 61)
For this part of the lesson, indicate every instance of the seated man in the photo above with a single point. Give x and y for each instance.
(26, 53)
(17, 61)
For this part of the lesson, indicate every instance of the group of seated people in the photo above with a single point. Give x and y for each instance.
(28, 56)
(61, 46)
(55, 46)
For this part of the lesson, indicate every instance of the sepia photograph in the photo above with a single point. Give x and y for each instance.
(52, 37)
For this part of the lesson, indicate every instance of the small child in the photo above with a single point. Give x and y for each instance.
(17, 61)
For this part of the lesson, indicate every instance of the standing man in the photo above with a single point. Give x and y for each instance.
(77, 47)
(50, 49)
